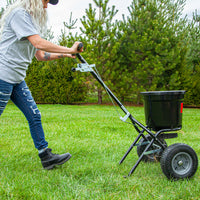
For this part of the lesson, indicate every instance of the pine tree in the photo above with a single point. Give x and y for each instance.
(192, 73)
(153, 46)
(99, 29)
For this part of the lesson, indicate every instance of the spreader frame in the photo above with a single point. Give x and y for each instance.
(139, 127)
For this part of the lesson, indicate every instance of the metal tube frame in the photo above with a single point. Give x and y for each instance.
(136, 124)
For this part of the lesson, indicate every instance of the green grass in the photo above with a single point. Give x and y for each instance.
(97, 140)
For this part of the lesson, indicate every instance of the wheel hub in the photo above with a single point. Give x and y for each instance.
(180, 163)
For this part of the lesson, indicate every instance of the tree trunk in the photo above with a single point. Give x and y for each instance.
(99, 96)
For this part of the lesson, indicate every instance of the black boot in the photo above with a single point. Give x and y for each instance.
(49, 160)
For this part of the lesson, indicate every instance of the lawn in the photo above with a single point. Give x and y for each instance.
(97, 140)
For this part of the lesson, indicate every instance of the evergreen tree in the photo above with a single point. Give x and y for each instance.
(101, 46)
(192, 82)
(153, 46)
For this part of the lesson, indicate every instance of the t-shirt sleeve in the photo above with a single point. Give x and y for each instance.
(22, 24)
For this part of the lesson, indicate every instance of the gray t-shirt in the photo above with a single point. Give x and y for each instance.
(16, 52)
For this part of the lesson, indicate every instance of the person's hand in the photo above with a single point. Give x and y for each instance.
(70, 55)
(75, 49)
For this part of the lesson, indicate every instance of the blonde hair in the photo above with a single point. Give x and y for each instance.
(34, 8)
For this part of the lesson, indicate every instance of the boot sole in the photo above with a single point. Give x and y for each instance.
(53, 165)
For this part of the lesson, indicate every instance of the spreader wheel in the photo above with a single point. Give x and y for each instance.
(155, 149)
(179, 161)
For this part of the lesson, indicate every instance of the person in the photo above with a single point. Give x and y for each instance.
(21, 38)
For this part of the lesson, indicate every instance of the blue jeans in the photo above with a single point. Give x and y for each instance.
(22, 98)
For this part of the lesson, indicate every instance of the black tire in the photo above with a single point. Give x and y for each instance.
(154, 157)
(179, 161)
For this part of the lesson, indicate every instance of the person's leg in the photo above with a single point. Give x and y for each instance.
(23, 99)
(5, 93)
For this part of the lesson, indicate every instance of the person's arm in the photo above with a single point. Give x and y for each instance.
(45, 56)
(44, 45)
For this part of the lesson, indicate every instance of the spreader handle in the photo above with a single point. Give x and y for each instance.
(81, 60)
(78, 55)
(80, 46)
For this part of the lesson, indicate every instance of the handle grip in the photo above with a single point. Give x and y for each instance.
(80, 46)
(79, 56)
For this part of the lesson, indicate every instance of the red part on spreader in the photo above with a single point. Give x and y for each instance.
(181, 107)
